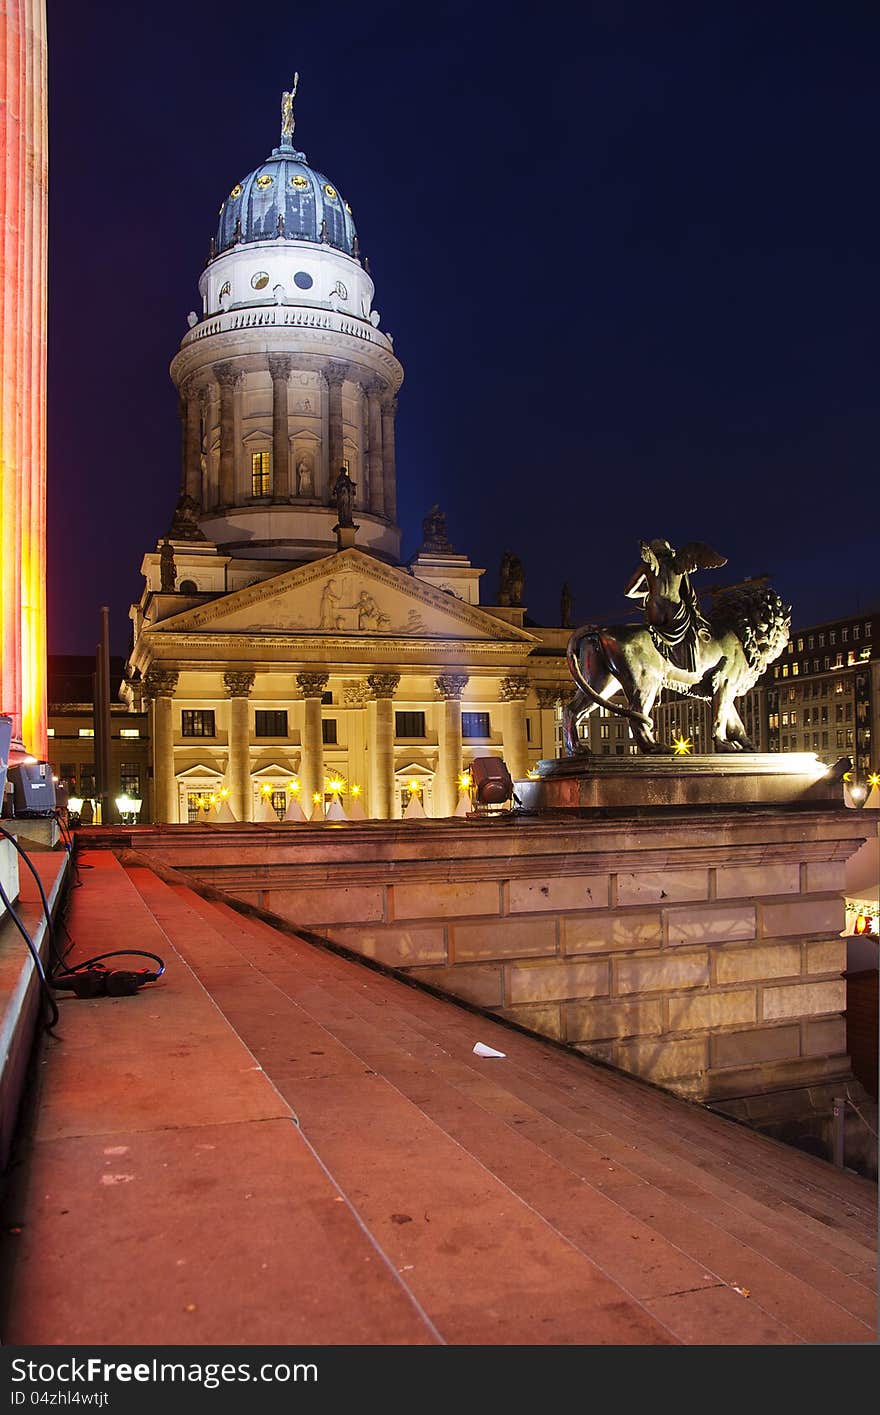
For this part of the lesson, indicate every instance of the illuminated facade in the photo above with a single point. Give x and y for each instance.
(278, 651)
(23, 182)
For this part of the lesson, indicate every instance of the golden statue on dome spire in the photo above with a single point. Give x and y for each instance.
(287, 118)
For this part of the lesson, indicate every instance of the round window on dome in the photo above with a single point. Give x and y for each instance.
(264, 181)
(330, 191)
(303, 280)
(260, 280)
(341, 290)
(236, 191)
(300, 182)
(225, 289)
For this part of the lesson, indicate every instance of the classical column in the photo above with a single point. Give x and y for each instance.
(279, 368)
(191, 481)
(383, 687)
(389, 472)
(550, 695)
(228, 376)
(335, 375)
(208, 483)
(450, 686)
(238, 688)
(312, 686)
(514, 691)
(160, 684)
(375, 388)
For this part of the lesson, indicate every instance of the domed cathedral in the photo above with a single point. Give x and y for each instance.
(287, 377)
(292, 663)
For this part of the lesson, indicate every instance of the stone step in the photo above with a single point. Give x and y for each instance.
(585, 1149)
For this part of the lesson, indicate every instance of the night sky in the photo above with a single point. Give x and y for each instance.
(627, 251)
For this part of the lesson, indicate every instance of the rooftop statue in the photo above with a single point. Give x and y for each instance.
(434, 536)
(717, 659)
(287, 118)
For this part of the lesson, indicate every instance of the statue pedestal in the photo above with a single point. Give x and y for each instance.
(723, 779)
(345, 536)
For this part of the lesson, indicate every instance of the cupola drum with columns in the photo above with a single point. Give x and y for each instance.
(287, 378)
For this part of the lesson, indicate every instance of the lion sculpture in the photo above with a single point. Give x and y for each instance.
(718, 659)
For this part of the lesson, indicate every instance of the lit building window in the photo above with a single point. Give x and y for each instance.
(129, 732)
(261, 473)
(50, 731)
(87, 732)
(197, 723)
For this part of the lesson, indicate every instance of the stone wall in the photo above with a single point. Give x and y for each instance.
(701, 952)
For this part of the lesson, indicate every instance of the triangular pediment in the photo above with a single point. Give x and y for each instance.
(349, 593)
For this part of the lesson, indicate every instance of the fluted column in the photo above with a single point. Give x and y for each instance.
(335, 376)
(312, 686)
(374, 440)
(228, 377)
(381, 712)
(238, 688)
(514, 691)
(191, 481)
(389, 471)
(450, 686)
(160, 684)
(279, 368)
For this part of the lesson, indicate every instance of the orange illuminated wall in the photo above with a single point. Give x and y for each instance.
(23, 193)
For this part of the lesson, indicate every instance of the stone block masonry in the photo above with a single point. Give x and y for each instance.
(699, 950)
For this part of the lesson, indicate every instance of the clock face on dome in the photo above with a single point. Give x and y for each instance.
(260, 280)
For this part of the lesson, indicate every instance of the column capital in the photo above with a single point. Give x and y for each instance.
(160, 682)
(227, 375)
(312, 685)
(204, 395)
(451, 685)
(389, 404)
(335, 374)
(549, 694)
(280, 366)
(383, 685)
(238, 684)
(190, 387)
(513, 689)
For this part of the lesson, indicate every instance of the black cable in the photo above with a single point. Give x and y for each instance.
(116, 953)
(45, 989)
(50, 927)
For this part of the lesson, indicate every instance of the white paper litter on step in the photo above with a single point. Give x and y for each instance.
(482, 1050)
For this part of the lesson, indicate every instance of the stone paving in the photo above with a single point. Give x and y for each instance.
(276, 1144)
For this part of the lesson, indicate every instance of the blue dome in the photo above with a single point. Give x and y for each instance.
(286, 197)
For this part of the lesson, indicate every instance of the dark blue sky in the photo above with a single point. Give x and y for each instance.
(627, 252)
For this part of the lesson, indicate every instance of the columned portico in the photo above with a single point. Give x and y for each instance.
(238, 688)
(450, 686)
(312, 686)
(381, 744)
(513, 693)
(279, 369)
(160, 685)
